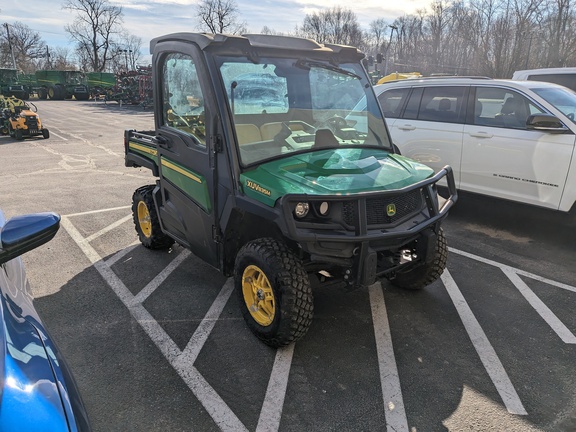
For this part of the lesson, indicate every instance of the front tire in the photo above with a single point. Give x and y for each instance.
(146, 220)
(424, 274)
(274, 292)
(18, 134)
(45, 134)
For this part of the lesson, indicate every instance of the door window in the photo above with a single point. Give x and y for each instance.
(442, 104)
(501, 107)
(182, 98)
(392, 102)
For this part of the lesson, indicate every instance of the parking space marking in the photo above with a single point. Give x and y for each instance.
(161, 277)
(122, 253)
(515, 270)
(108, 228)
(396, 420)
(97, 211)
(544, 311)
(206, 395)
(271, 411)
(484, 348)
(200, 336)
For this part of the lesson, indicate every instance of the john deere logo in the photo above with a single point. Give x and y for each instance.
(391, 210)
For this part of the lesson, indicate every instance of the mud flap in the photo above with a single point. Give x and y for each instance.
(426, 246)
(367, 268)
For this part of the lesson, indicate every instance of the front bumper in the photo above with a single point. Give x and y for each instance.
(356, 246)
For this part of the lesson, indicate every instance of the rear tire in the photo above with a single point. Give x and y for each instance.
(274, 292)
(424, 274)
(146, 220)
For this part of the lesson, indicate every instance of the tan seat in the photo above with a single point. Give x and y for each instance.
(270, 130)
(247, 133)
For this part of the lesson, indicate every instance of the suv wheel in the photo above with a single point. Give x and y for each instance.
(274, 292)
(146, 220)
(424, 274)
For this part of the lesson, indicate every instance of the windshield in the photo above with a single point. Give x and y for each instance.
(563, 99)
(286, 105)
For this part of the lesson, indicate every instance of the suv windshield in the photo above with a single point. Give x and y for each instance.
(285, 105)
(563, 99)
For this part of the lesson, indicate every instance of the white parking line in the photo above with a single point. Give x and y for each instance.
(59, 136)
(396, 420)
(517, 271)
(97, 211)
(484, 349)
(108, 228)
(206, 395)
(161, 277)
(122, 253)
(271, 411)
(200, 336)
(544, 311)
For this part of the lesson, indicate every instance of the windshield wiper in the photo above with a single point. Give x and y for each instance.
(307, 64)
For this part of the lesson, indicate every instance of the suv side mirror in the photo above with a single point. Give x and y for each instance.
(21, 234)
(545, 123)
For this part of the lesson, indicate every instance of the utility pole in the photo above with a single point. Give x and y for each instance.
(392, 28)
(10, 44)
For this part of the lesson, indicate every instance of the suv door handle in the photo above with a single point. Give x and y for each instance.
(481, 134)
(407, 127)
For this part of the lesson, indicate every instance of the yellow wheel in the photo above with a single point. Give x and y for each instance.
(144, 219)
(273, 291)
(258, 295)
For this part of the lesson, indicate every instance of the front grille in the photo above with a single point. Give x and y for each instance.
(406, 204)
(32, 122)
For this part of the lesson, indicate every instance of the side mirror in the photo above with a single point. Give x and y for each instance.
(545, 123)
(23, 233)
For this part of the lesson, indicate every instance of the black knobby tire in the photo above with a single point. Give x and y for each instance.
(146, 220)
(292, 294)
(424, 274)
(18, 134)
(45, 133)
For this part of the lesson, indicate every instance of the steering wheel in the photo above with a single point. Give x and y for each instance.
(336, 122)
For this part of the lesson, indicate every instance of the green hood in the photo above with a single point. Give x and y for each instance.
(332, 172)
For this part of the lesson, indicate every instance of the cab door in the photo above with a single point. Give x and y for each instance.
(186, 166)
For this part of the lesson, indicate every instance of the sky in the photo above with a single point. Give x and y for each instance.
(151, 18)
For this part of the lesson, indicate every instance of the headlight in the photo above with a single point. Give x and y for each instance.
(323, 208)
(302, 209)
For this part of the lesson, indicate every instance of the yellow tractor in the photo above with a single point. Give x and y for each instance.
(19, 119)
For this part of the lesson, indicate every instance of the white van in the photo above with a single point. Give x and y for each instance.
(564, 76)
(508, 139)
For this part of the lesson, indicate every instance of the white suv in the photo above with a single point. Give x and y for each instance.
(509, 139)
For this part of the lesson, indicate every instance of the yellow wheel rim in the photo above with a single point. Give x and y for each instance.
(144, 219)
(258, 295)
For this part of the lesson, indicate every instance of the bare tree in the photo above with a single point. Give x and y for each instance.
(220, 16)
(336, 25)
(26, 44)
(93, 29)
(377, 33)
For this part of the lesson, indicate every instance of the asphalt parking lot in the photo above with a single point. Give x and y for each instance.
(157, 343)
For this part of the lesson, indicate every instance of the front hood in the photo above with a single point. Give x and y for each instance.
(332, 172)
